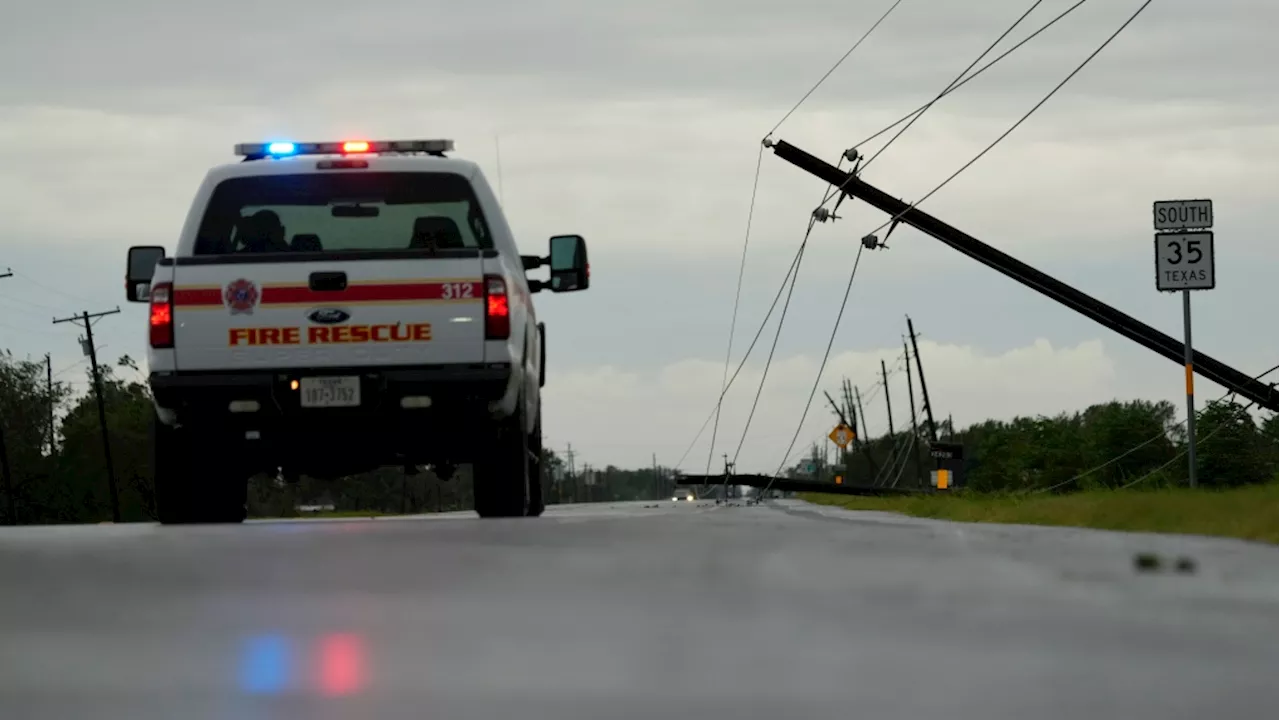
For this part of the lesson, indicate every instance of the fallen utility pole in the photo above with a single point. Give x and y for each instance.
(1141, 333)
(86, 317)
(794, 485)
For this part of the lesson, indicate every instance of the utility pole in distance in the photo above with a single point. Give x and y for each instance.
(86, 317)
(888, 404)
(11, 517)
(915, 428)
(48, 374)
(864, 437)
(924, 387)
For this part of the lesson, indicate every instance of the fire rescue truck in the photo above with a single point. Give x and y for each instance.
(334, 307)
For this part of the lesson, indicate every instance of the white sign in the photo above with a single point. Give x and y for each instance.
(1182, 214)
(1184, 261)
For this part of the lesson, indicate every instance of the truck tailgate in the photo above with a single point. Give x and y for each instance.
(292, 315)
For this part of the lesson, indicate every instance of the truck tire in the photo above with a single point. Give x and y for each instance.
(537, 474)
(500, 477)
(191, 486)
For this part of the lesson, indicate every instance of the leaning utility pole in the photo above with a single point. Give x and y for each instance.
(848, 183)
(862, 438)
(924, 388)
(915, 428)
(86, 317)
(11, 517)
(888, 404)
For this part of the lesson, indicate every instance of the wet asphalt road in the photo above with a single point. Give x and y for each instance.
(623, 611)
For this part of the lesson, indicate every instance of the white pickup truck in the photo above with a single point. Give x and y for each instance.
(335, 307)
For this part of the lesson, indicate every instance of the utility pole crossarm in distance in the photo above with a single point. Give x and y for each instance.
(86, 318)
(1090, 307)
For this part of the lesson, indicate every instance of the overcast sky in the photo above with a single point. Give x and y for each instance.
(637, 125)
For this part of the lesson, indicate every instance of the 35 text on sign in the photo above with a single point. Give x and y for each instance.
(1184, 261)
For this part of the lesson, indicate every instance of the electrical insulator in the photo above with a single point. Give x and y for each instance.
(823, 215)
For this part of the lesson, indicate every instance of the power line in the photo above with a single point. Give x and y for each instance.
(833, 67)
(964, 82)
(1183, 453)
(737, 297)
(1162, 434)
(52, 289)
(782, 319)
(952, 84)
(759, 331)
(1020, 120)
(857, 260)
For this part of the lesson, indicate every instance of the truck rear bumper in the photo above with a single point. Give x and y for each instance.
(379, 431)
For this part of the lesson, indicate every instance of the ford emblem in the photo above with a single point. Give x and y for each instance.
(328, 316)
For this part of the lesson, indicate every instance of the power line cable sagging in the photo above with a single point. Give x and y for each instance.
(1018, 123)
(747, 239)
(941, 185)
(951, 85)
(957, 85)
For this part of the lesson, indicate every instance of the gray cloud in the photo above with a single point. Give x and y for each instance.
(636, 125)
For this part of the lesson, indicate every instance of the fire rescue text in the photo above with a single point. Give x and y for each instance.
(338, 334)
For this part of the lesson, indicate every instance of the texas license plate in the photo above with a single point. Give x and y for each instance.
(328, 392)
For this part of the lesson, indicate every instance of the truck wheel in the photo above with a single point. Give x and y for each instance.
(190, 487)
(537, 475)
(500, 477)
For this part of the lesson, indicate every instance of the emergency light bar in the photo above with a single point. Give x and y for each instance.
(289, 149)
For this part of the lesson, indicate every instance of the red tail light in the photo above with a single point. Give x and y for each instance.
(162, 315)
(497, 309)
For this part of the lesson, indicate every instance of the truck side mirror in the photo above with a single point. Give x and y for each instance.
(570, 271)
(139, 270)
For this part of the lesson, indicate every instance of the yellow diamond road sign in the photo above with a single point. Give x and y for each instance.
(842, 436)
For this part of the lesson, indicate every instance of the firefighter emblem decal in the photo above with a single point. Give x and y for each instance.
(241, 297)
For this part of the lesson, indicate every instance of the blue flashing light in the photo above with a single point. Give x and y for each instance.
(281, 148)
(264, 666)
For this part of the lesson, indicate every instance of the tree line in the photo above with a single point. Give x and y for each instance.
(1109, 445)
(57, 469)
(57, 473)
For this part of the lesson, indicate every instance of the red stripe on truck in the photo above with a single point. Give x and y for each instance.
(393, 292)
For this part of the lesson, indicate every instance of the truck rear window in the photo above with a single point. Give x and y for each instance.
(345, 211)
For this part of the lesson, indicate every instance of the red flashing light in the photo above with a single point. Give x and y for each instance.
(162, 316)
(497, 309)
(355, 146)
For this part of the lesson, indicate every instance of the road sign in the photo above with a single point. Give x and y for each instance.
(1182, 214)
(842, 436)
(946, 451)
(811, 468)
(1184, 261)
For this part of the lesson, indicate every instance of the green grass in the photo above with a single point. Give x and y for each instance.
(1249, 513)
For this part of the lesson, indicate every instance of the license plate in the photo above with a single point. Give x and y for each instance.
(327, 392)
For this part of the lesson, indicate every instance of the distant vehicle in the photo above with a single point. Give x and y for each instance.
(335, 307)
(683, 496)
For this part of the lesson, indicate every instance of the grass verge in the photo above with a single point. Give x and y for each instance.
(1248, 513)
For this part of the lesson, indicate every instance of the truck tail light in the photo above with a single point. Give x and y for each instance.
(162, 316)
(497, 309)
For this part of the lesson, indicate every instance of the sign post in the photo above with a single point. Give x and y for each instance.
(1184, 261)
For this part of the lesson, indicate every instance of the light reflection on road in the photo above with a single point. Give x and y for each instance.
(333, 665)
